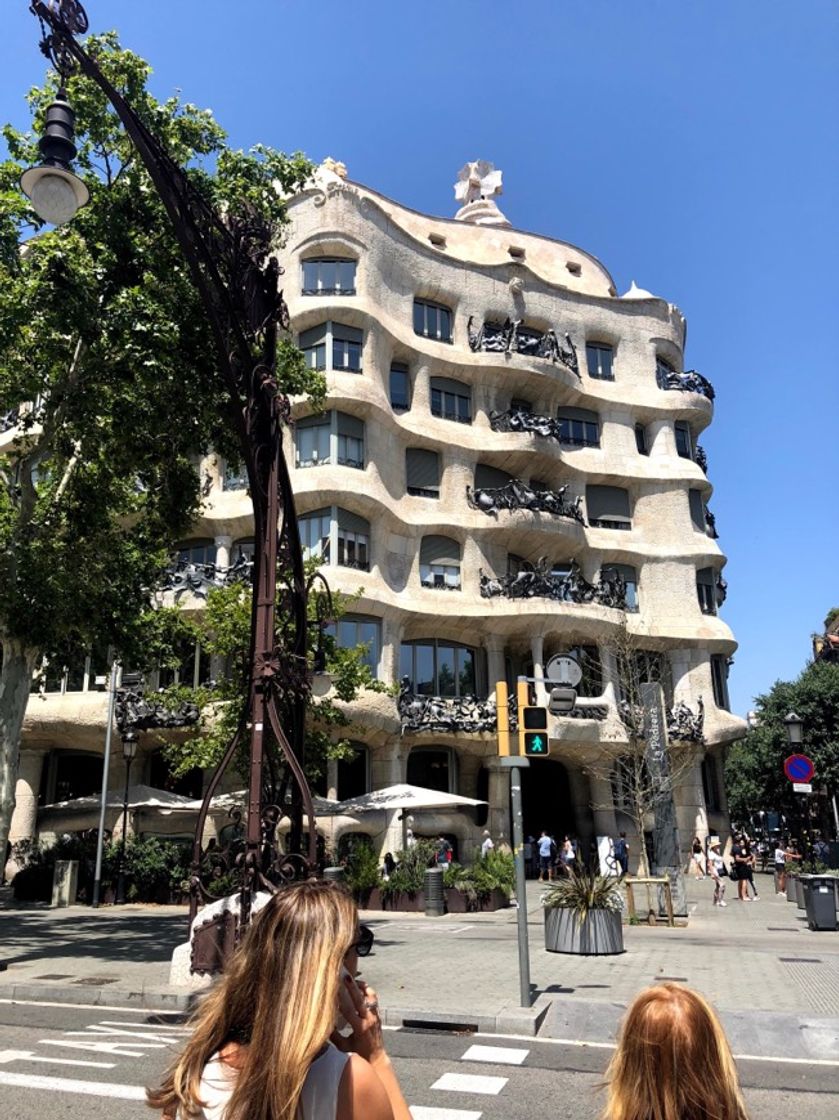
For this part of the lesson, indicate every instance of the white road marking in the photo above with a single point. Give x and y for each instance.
(470, 1083)
(420, 1112)
(145, 1026)
(120, 1049)
(429, 929)
(29, 1056)
(502, 1055)
(67, 1085)
(91, 1006)
(157, 1040)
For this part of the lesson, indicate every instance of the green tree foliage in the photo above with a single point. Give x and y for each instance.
(754, 773)
(105, 351)
(223, 630)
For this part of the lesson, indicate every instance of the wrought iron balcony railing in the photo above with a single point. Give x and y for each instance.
(687, 382)
(135, 711)
(700, 457)
(9, 419)
(563, 587)
(516, 494)
(199, 579)
(684, 725)
(467, 714)
(511, 337)
(519, 420)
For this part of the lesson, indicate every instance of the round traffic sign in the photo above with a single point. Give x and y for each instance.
(799, 768)
(562, 669)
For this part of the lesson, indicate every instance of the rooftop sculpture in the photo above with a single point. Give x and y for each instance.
(477, 185)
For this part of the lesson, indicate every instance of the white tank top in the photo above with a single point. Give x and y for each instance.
(318, 1101)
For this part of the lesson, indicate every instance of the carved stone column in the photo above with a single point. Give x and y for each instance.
(332, 779)
(223, 546)
(24, 823)
(495, 663)
(603, 807)
(498, 796)
(689, 798)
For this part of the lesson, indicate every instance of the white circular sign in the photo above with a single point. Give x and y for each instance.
(562, 669)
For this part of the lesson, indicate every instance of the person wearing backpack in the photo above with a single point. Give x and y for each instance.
(622, 853)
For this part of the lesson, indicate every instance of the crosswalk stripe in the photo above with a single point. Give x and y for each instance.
(420, 1112)
(68, 1085)
(470, 1083)
(501, 1055)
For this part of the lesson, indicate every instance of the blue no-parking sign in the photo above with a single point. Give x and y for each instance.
(799, 768)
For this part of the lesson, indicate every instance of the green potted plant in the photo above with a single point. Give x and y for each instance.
(405, 888)
(363, 876)
(583, 914)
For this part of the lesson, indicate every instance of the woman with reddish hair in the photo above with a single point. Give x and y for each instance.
(673, 1061)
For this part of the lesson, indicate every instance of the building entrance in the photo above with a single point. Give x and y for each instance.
(546, 799)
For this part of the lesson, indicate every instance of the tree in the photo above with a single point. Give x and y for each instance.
(754, 772)
(108, 371)
(641, 788)
(223, 630)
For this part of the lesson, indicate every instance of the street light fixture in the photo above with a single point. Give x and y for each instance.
(795, 726)
(54, 191)
(129, 750)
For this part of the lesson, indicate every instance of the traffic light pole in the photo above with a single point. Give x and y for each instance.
(515, 764)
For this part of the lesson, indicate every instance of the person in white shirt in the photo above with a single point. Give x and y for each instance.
(717, 870)
(264, 1044)
(487, 845)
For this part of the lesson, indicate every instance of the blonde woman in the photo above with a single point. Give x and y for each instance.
(673, 1061)
(261, 1044)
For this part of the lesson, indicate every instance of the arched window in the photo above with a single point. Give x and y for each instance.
(433, 768)
(336, 536)
(354, 772)
(329, 276)
(354, 630)
(330, 437)
(340, 344)
(440, 562)
(578, 427)
(432, 320)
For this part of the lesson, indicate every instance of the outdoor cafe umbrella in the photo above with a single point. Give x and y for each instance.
(405, 797)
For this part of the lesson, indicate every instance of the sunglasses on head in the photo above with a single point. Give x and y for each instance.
(364, 943)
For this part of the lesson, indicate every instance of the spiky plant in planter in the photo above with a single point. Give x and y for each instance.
(583, 913)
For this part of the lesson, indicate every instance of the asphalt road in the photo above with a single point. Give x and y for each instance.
(83, 1063)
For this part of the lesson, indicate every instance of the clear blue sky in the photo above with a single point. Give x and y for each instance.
(691, 146)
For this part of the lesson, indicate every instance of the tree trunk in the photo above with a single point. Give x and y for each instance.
(15, 681)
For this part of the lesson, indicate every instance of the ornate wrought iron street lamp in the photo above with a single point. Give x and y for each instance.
(229, 257)
(129, 750)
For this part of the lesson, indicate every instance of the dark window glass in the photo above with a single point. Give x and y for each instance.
(719, 680)
(706, 590)
(243, 549)
(356, 630)
(630, 578)
(440, 562)
(422, 470)
(662, 367)
(608, 507)
(346, 348)
(352, 773)
(400, 399)
(451, 400)
(684, 444)
(432, 320)
(518, 404)
(329, 276)
(439, 669)
(78, 775)
(431, 769)
(313, 345)
(711, 783)
(311, 440)
(697, 509)
(190, 784)
(197, 552)
(599, 361)
(579, 427)
(641, 439)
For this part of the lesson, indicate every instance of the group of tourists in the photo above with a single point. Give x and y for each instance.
(740, 870)
(548, 857)
(291, 1032)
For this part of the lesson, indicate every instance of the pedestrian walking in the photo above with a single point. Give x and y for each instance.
(567, 855)
(747, 871)
(486, 845)
(672, 1061)
(545, 846)
(529, 846)
(444, 852)
(717, 871)
(698, 858)
(621, 850)
(783, 852)
(738, 861)
(261, 1047)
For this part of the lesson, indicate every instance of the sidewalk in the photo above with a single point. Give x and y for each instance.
(775, 982)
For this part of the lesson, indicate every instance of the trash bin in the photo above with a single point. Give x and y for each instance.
(800, 883)
(334, 874)
(435, 900)
(820, 902)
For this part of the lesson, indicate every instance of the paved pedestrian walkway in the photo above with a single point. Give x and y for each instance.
(775, 981)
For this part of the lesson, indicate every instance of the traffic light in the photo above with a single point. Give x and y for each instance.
(533, 726)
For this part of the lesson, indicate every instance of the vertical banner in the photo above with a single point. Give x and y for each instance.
(666, 850)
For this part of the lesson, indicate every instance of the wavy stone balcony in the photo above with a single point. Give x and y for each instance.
(567, 587)
(516, 494)
(688, 382)
(513, 337)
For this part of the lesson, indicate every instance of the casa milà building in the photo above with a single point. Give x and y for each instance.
(508, 468)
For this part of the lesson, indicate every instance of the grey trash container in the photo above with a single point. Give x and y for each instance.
(435, 900)
(334, 874)
(820, 902)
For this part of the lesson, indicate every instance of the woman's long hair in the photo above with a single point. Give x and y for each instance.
(280, 993)
(673, 1061)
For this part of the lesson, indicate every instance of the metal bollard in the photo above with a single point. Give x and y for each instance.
(334, 874)
(435, 902)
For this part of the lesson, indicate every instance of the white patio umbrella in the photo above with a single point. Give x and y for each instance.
(139, 797)
(403, 796)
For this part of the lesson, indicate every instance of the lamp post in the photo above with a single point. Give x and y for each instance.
(129, 750)
(229, 257)
(795, 731)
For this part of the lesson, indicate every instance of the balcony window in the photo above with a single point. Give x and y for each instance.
(329, 276)
(641, 439)
(422, 470)
(518, 404)
(354, 631)
(341, 343)
(663, 369)
(333, 437)
(719, 681)
(433, 769)
(579, 427)
(608, 507)
(353, 775)
(199, 551)
(335, 535)
(400, 387)
(432, 320)
(191, 670)
(490, 478)
(684, 441)
(629, 575)
(243, 549)
(235, 477)
(438, 668)
(711, 784)
(440, 563)
(697, 509)
(599, 358)
(706, 590)
(451, 400)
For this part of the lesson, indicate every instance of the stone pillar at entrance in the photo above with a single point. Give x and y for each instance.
(689, 798)
(498, 819)
(581, 826)
(223, 546)
(603, 807)
(537, 652)
(24, 823)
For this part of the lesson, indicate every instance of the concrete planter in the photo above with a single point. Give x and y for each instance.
(400, 900)
(369, 899)
(599, 934)
(459, 903)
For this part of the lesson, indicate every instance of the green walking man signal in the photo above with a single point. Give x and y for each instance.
(533, 731)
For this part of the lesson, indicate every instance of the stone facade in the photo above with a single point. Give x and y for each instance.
(396, 476)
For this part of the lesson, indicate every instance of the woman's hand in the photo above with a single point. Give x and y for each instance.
(360, 1007)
